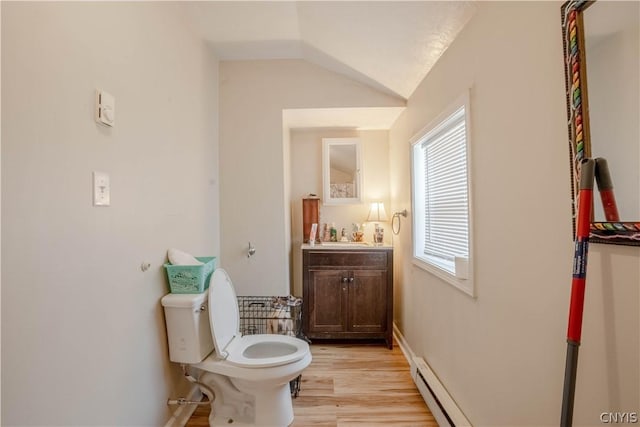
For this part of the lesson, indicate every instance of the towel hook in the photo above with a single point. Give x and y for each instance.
(251, 251)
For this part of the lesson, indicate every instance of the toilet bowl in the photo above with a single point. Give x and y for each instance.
(249, 374)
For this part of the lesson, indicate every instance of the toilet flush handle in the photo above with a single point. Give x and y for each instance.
(201, 309)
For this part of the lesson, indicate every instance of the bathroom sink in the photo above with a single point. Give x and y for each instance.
(345, 244)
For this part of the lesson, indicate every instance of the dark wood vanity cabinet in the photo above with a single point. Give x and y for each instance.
(348, 293)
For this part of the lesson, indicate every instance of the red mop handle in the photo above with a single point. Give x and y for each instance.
(605, 186)
(574, 330)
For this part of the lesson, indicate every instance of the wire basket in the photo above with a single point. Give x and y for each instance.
(190, 279)
(272, 315)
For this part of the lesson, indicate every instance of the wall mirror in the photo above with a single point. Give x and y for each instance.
(341, 171)
(602, 76)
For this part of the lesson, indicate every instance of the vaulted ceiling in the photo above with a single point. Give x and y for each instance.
(389, 45)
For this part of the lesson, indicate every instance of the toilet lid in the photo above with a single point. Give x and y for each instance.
(224, 317)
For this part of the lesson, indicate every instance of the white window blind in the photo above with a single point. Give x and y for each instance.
(441, 203)
(446, 201)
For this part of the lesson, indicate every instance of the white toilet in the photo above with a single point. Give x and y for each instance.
(249, 374)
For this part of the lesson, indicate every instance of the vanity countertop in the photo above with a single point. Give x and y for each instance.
(347, 246)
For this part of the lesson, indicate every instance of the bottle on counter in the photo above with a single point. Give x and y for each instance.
(326, 234)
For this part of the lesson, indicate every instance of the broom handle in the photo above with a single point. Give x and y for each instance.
(605, 187)
(574, 330)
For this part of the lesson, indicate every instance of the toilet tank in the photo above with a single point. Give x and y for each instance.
(188, 331)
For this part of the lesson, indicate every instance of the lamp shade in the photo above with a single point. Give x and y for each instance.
(377, 213)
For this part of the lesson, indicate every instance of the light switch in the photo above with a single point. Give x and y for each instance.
(101, 189)
(105, 108)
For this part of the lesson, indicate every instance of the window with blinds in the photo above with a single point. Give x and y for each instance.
(440, 177)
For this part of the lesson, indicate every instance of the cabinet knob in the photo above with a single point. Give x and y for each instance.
(345, 279)
(351, 279)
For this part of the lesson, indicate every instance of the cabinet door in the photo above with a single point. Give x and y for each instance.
(368, 301)
(327, 300)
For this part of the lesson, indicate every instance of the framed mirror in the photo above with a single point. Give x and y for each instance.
(341, 171)
(602, 75)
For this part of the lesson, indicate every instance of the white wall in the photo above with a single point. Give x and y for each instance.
(502, 354)
(83, 336)
(254, 197)
(306, 172)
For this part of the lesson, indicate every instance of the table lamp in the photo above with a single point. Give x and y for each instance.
(377, 214)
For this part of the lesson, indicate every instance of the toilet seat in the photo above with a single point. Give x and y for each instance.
(263, 351)
(249, 351)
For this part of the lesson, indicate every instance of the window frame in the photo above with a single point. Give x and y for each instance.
(432, 264)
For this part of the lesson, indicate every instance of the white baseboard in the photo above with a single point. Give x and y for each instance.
(444, 409)
(404, 346)
(182, 413)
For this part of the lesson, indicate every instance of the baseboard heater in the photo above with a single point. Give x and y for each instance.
(442, 406)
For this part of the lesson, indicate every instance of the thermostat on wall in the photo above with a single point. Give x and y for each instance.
(105, 108)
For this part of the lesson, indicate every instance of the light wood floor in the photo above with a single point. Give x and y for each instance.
(353, 385)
